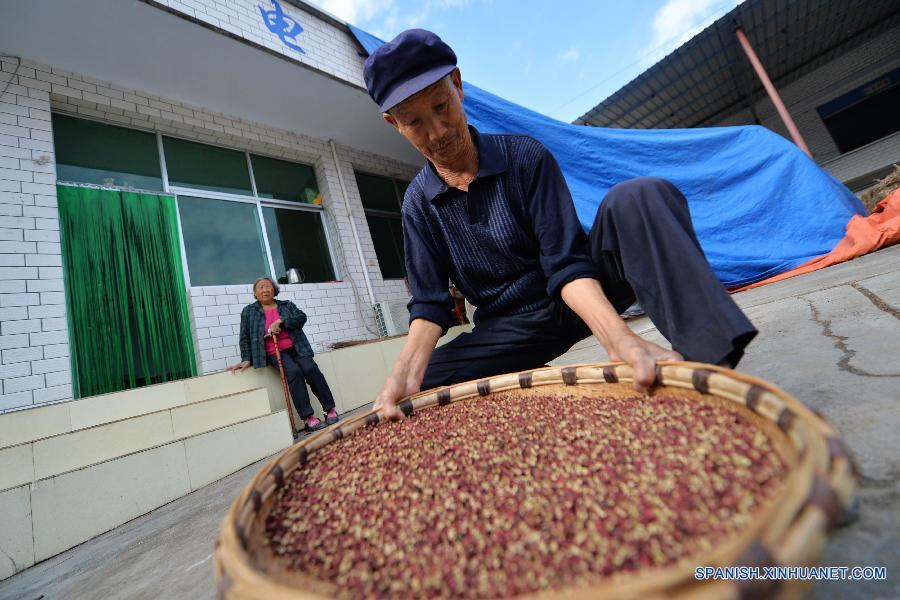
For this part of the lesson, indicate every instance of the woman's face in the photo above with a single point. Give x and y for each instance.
(264, 291)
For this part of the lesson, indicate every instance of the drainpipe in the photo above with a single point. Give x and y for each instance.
(362, 259)
(770, 89)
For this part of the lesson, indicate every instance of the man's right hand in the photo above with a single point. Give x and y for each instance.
(406, 376)
(392, 392)
(241, 366)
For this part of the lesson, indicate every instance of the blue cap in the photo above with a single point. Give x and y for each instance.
(406, 65)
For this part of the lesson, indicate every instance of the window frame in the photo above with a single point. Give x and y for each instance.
(386, 214)
(175, 191)
(853, 100)
(101, 185)
(251, 199)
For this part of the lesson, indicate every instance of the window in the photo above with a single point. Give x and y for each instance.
(297, 239)
(387, 236)
(233, 217)
(378, 193)
(90, 152)
(199, 166)
(381, 198)
(222, 240)
(865, 114)
(284, 180)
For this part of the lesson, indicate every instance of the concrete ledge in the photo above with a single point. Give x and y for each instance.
(198, 389)
(16, 466)
(73, 450)
(216, 454)
(65, 510)
(32, 424)
(16, 542)
(220, 412)
(71, 508)
(98, 410)
(70, 451)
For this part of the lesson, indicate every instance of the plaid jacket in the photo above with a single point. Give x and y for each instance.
(253, 331)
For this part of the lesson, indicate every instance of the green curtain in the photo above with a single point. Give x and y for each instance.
(125, 292)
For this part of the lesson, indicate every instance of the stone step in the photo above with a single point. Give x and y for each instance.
(45, 517)
(35, 423)
(50, 456)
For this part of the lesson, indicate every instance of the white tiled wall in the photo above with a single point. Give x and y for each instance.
(331, 311)
(860, 161)
(328, 48)
(843, 74)
(34, 355)
(34, 343)
(385, 289)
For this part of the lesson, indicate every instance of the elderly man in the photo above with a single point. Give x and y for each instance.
(493, 214)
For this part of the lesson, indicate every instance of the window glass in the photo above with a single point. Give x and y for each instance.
(868, 120)
(387, 236)
(222, 240)
(381, 198)
(377, 192)
(401, 188)
(90, 152)
(297, 240)
(193, 165)
(284, 180)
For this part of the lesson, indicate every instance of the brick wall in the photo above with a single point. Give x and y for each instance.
(216, 314)
(34, 350)
(859, 162)
(34, 354)
(328, 48)
(352, 159)
(839, 76)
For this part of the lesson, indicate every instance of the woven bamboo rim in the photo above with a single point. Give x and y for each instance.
(789, 530)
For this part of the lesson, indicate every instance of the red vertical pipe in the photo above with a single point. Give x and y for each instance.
(770, 89)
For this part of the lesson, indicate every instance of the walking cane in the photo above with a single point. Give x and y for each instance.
(287, 393)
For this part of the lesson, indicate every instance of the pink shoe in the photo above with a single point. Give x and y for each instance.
(331, 417)
(313, 424)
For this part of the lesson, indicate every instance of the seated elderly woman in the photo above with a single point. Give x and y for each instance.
(268, 315)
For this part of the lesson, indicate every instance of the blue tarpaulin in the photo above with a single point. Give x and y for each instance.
(760, 206)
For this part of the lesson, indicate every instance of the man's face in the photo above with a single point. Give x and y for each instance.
(433, 120)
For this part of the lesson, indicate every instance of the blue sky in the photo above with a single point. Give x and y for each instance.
(558, 57)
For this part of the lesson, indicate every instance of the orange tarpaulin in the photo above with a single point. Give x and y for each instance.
(864, 234)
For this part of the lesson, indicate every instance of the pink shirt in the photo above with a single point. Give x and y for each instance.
(284, 340)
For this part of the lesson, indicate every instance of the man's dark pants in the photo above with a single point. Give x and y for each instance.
(644, 244)
(298, 370)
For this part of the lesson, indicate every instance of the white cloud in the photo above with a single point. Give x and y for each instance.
(387, 12)
(355, 11)
(677, 21)
(386, 27)
(569, 56)
(452, 3)
(418, 18)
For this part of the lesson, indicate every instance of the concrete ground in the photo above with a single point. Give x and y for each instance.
(831, 338)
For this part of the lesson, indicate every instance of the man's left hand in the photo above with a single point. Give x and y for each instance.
(586, 298)
(641, 355)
